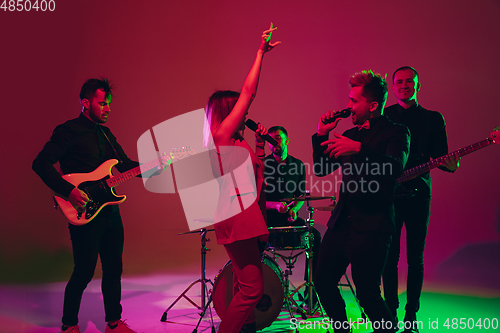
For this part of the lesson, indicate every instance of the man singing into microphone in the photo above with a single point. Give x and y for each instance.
(372, 155)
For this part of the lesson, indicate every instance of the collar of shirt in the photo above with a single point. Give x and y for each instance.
(87, 122)
(271, 161)
(366, 125)
(410, 109)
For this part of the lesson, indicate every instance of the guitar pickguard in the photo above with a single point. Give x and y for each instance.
(99, 194)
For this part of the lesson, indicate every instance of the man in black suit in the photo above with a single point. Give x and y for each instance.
(372, 155)
(428, 140)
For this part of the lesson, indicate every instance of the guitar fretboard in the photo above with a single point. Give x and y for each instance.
(121, 177)
(426, 167)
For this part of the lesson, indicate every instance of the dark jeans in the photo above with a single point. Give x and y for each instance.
(102, 236)
(414, 213)
(367, 253)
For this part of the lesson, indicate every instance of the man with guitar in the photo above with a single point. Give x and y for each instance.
(80, 146)
(412, 204)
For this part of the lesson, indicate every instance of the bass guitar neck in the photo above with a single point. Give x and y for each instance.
(426, 167)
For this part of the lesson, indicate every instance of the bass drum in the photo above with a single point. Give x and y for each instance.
(271, 303)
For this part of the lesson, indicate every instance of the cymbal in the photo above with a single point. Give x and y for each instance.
(194, 232)
(325, 208)
(306, 198)
(205, 220)
(291, 227)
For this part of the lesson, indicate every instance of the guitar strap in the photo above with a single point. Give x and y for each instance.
(116, 153)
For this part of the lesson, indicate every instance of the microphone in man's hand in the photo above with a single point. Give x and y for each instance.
(340, 114)
(253, 126)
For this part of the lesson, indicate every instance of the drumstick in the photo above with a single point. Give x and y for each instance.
(288, 206)
(269, 37)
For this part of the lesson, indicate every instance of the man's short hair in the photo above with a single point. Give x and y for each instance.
(278, 128)
(402, 69)
(374, 87)
(92, 85)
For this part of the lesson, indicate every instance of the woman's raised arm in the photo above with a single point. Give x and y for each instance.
(236, 118)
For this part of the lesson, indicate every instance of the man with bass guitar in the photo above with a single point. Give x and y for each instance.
(412, 204)
(80, 146)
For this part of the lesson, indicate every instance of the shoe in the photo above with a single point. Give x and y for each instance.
(411, 323)
(71, 329)
(121, 327)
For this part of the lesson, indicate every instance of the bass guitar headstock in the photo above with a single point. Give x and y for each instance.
(494, 135)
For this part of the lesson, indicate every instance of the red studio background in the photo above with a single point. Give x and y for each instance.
(165, 58)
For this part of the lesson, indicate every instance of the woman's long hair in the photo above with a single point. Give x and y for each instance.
(218, 107)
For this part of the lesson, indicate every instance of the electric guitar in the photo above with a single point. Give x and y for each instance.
(99, 186)
(426, 167)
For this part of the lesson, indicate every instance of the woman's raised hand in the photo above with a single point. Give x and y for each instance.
(266, 44)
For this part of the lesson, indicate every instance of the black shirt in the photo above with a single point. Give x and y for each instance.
(284, 180)
(428, 140)
(79, 146)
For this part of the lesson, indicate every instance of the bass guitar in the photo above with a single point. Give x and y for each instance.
(99, 186)
(426, 167)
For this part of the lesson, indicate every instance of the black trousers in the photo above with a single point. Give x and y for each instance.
(103, 237)
(414, 213)
(366, 253)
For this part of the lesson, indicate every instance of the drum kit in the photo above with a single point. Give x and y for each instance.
(277, 291)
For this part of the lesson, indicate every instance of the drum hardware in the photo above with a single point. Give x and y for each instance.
(286, 240)
(203, 281)
(325, 208)
(307, 197)
(309, 283)
(289, 293)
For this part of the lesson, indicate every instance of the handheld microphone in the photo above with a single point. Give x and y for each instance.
(340, 114)
(253, 126)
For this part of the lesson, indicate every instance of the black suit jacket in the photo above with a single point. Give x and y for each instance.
(368, 178)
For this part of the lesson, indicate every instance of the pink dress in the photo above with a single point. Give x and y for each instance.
(241, 209)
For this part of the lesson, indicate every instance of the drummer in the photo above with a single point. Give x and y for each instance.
(286, 178)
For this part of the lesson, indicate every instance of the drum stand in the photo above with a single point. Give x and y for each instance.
(309, 284)
(203, 280)
(306, 309)
(348, 283)
(289, 301)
